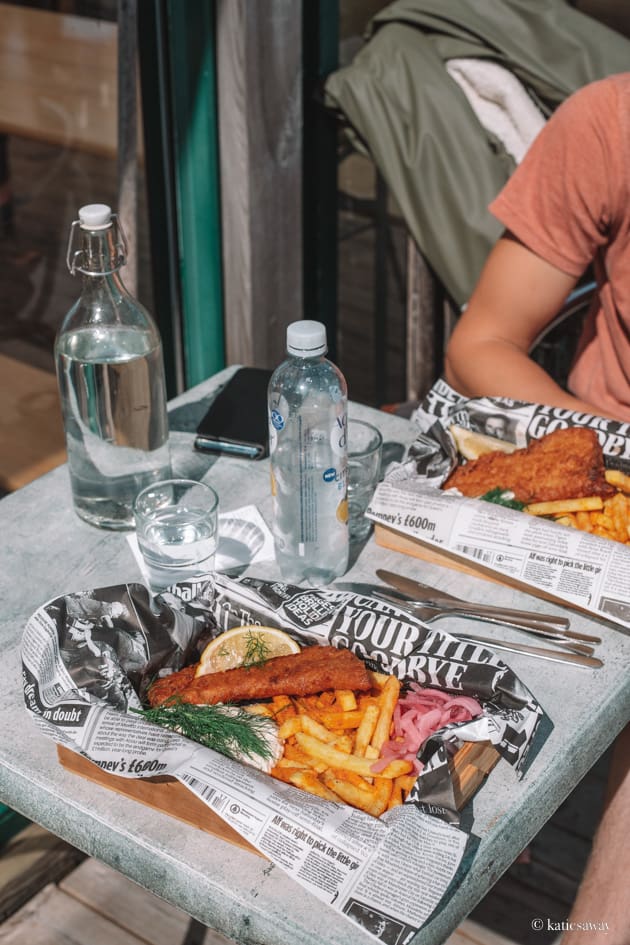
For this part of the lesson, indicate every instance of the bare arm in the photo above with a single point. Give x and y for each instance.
(517, 295)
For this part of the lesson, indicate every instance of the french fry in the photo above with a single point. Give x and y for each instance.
(309, 782)
(285, 773)
(260, 708)
(290, 763)
(618, 479)
(378, 679)
(282, 708)
(559, 506)
(382, 794)
(343, 743)
(320, 751)
(406, 782)
(389, 698)
(567, 519)
(350, 793)
(341, 720)
(396, 797)
(290, 727)
(314, 728)
(345, 699)
(366, 729)
(295, 754)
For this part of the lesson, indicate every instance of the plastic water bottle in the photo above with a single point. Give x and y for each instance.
(308, 402)
(110, 371)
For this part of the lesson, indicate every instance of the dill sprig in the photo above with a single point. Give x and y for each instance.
(256, 649)
(227, 728)
(503, 497)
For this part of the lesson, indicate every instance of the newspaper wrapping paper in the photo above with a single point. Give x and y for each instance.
(572, 566)
(89, 657)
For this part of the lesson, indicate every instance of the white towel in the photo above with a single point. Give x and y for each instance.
(500, 102)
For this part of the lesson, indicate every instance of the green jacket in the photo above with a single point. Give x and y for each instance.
(413, 119)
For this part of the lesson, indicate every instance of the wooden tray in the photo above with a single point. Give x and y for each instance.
(470, 765)
(164, 794)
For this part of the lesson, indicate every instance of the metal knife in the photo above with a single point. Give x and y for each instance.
(415, 590)
(428, 613)
(556, 656)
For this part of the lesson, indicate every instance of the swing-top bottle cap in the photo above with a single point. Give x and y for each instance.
(95, 216)
(306, 338)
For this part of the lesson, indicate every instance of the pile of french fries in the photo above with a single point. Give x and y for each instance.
(608, 518)
(331, 741)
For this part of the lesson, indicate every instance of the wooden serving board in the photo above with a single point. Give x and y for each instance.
(164, 794)
(469, 766)
(397, 541)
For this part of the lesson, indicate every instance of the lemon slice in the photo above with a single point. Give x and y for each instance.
(473, 445)
(245, 646)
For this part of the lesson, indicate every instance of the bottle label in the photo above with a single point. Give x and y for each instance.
(277, 420)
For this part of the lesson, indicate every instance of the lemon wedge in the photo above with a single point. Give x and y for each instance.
(245, 646)
(472, 445)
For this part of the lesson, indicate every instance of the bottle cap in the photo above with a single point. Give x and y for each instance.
(306, 339)
(95, 216)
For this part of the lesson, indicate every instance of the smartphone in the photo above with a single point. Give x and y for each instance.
(236, 421)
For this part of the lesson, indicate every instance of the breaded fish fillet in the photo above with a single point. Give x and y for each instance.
(313, 669)
(565, 464)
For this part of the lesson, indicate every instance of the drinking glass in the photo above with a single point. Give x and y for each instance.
(365, 446)
(176, 528)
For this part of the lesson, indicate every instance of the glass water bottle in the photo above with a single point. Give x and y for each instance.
(110, 370)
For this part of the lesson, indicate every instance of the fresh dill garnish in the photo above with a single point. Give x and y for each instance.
(256, 649)
(503, 497)
(227, 728)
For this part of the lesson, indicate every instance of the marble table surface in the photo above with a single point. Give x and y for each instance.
(47, 551)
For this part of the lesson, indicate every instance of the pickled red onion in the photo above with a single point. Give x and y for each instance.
(417, 715)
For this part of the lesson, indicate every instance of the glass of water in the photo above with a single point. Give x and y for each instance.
(176, 528)
(365, 447)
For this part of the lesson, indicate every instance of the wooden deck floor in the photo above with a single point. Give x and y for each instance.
(95, 905)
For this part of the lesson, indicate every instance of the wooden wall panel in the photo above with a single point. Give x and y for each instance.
(259, 53)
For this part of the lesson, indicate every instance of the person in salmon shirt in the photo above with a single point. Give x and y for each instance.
(566, 208)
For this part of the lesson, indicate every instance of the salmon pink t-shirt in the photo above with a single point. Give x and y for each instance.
(569, 202)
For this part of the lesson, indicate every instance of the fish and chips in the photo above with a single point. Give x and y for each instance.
(561, 476)
(346, 733)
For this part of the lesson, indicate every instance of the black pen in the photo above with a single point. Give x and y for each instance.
(207, 444)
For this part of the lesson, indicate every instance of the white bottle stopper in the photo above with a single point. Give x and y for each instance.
(306, 339)
(95, 216)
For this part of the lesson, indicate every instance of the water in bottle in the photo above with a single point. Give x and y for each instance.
(308, 399)
(110, 370)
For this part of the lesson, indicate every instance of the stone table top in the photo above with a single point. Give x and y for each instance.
(48, 551)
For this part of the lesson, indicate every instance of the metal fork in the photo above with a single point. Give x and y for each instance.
(428, 613)
(443, 604)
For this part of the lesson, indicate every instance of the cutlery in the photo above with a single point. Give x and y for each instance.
(557, 656)
(420, 594)
(428, 614)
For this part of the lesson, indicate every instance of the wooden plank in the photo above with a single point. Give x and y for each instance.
(104, 891)
(396, 541)
(58, 78)
(165, 794)
(471, 933)
(260, 113)
(31, 430)
(29, 861)
(129, 906)
(53, 918)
